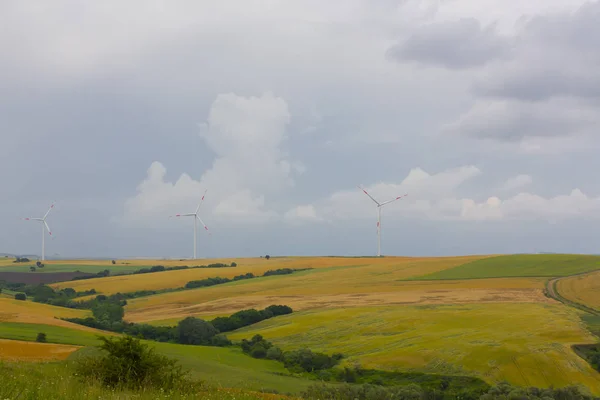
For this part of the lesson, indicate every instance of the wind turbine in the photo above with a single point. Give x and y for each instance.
(196, 218)
(44, 228)
(379, 205)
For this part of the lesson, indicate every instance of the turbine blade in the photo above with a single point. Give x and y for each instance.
(201, 200)
(48, 212)
(181, 215)
(47, 227)
(397, 198)
(371, 197)
(202, 222)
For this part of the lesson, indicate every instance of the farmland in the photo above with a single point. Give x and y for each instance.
(527, 344)
(13, 350)
(482, 316)
(388, 268)
(582, 289)
(521, 265)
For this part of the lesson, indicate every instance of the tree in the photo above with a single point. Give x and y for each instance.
(32, 269)
(113, 262)
(195, 331)
(267, 257)
(43, 293)
(234, 264)
(20, 296)
(108, 312)
(41, 337)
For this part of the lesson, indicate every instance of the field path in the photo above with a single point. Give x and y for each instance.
(552, 291)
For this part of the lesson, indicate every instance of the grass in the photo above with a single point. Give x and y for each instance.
(227, 367)
(56, 381)
(525, 265)
(582, 289)
(525, 344)
(401, 266)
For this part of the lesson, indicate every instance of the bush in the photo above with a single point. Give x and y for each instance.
(20, 296)
(195, 331)
(274, 353)
(32, 269)
(113, 262)
(220, 340)
(41, 337)
(128, 363)
(234, 264)
(267, 257)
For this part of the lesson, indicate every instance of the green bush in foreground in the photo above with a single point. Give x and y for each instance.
(129, 363)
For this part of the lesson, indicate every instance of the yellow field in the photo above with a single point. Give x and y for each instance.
(35, 313)
(15, 350)
(354, 288)
(398, 267)
(582, 289)
(525, 344)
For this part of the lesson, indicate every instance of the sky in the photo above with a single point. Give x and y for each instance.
(485, 112)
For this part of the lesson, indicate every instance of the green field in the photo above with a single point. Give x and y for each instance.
(525, 344)
(56, 334)
(521, 265)
(227, 367)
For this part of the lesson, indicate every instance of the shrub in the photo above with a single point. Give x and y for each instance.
(128, 363)
(267, 257)
(113, 262)
(41, 337)
(20, 296)
(195, 331)
(234, 264)
(220, 340)
(274, 353)
(32, 269)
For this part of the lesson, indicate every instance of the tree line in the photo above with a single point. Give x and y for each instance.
(154, 269)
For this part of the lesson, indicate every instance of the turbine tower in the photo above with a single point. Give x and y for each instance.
(379, 205)
(196, 218)
(44, 228)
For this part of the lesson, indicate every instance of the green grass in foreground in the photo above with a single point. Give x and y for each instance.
(227, 367)
(520, 265)
(56, 381)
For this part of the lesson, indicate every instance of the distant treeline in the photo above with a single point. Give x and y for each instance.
(108, 316)
(67, 297)
(156, 268)
(45, 294)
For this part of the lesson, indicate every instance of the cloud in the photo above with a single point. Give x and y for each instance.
(437, 197)
(516, 182)
(300, 214)
(548, 88)
(247, 134)
(459, 44)
(513, 121)
(556, 55)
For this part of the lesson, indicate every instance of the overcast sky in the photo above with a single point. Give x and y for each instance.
(486, 112)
